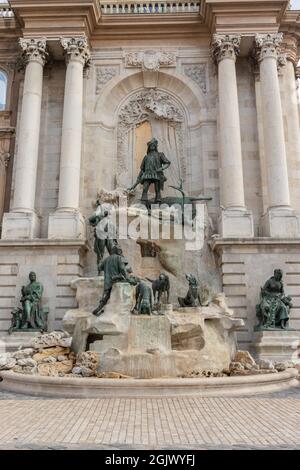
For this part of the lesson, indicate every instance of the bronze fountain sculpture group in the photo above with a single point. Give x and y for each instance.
(272, 312)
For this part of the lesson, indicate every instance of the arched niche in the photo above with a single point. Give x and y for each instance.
(183, 89)
(175, 106)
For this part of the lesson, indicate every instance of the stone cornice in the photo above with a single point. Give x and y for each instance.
(44, 243)
(53, 18)
(221, 244)
(244, 16)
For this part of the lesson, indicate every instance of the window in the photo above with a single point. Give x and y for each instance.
(3, 90)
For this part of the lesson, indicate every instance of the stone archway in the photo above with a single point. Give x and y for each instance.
(176, 102)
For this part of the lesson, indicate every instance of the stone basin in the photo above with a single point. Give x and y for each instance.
(57, 387)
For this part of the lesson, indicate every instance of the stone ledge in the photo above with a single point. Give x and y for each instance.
(142, 388)
(42, 242)
(219, 242)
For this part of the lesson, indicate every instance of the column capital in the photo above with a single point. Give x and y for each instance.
(268, 46)
(34, 50)
(290, 46)
(76, 49)
(225, 46)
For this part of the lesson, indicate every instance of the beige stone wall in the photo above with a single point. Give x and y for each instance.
(108, 86)
(288, 89)
(249, 138)
(107, 89)
(55, 265)
(50, 143)
(246, 267)
(111, 85)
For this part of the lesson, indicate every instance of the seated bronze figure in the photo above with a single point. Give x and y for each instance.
(274, 307)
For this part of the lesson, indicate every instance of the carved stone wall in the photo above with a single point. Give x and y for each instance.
(103, 75)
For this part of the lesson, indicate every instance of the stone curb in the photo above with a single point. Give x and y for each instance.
(60, 387)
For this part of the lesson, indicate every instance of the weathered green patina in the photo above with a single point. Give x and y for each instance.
(115, 269)
(104, 232)
(144, 304)
(152, 172)
(274, 307)
(192, 298)
(32, 316)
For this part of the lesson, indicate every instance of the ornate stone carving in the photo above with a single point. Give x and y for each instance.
(76, 49)
(142, 106)
(103, 76)
(281, 62)
(290, 47)
(34, 49)
(5, 157)
(147, 103)
(225, 46)
(197, 73)
(150, 60)
(268, 45)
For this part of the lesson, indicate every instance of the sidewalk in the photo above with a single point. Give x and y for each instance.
(169, 423)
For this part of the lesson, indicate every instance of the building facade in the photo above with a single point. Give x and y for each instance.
(84, 84)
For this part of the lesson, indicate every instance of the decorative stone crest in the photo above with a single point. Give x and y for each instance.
(150, 60)
(147, 103)
(197, 73)
(34, 50)
(225, 46)
(103, 76)
(76, 49)
(268, 45)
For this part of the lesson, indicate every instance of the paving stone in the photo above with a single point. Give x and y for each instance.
(269, 421)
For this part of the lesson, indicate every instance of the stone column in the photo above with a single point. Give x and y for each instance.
(280, 220)
(22, 221)
(4, 159)
(291, 111)
(6, 133)
(67, 221)
(235, 220)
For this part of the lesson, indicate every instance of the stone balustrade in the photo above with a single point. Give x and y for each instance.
(111, 7)
(5, 11)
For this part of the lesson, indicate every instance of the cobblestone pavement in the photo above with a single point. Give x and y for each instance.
(268, 421)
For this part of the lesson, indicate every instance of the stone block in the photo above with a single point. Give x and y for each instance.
(66, 225)
(276, 345)
(280, 223)
(234, 223)
(149, 333)
(20, 225)
(55, 368)
(22, 339)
